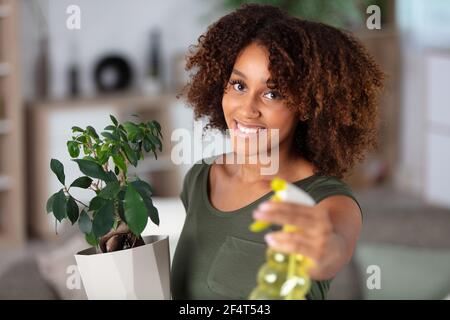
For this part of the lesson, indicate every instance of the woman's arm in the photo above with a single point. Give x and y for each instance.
(327, 232)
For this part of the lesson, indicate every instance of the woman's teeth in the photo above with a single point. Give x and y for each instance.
(247, 130)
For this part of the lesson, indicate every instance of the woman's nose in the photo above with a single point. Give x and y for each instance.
(250, 109)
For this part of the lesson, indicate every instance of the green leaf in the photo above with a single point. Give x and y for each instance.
(110, 128)
(59, 207)
(135, 210)
(145, 192)
(151, 126)
(153, 214)
(115, 150)
(73, 148)
(72, 210)
(142, 187)
(58, 169)
(103, 220)
(148, 145)
(91, 131)
(119, 161)
(81, 139)
(133, 131)
(111, 177)
(110, 191)
(85, 223)
(49, 206)
(157, 125)
(110, 136)
(123, 136)
(102, 155)
(113, 119)
(131, 155)
(86, 150)
(156, 142)
(77, 129)
(91, 169)
(82, 182)
(91, 239)
(96, 203)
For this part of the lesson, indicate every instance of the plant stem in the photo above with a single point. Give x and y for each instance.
(67, 191)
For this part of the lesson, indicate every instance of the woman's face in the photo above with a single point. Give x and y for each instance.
(253, 109)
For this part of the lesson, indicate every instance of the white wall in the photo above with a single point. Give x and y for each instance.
(425, 26)
(33, 26)
(110, 26)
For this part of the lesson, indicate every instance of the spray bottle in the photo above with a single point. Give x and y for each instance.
(283, 276)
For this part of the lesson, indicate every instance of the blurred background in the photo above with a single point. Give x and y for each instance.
(127, 57)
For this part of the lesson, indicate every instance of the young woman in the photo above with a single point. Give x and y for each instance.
(260, 69)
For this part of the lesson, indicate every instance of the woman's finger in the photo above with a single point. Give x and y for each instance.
(284, 242)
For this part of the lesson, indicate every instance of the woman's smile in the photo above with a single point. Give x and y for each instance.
(245, 130)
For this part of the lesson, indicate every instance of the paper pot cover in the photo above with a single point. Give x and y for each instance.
(138, 273)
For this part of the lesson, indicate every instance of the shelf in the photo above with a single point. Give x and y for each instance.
(4, 126)
(122, 99)
(4, 183)
(4, 69)
(4, 10)
(12, 198)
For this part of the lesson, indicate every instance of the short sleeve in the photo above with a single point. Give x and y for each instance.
(189, 183)
(184, 190)
(331, 186)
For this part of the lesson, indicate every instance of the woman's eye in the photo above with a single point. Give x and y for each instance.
(273, 95)
(238, 85)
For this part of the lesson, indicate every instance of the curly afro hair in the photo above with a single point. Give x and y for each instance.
(323, 73)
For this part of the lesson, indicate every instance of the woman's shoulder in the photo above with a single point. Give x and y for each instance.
(198, 167)
(322, 186)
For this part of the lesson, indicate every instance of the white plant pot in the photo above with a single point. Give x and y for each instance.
(138, 273)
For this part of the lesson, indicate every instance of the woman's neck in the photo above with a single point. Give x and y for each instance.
(289, 166)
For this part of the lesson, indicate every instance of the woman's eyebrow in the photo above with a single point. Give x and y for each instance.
(239, 73)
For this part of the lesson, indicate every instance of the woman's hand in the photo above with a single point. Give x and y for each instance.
(314, 232)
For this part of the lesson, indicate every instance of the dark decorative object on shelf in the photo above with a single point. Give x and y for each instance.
(113, 73)
(153, 82)
(74, 81)
(154, 68)
(42, 71)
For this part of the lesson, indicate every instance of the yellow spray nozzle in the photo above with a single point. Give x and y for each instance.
(259, 226)
(278, 184)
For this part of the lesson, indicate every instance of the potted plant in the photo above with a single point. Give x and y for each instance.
(121, 264)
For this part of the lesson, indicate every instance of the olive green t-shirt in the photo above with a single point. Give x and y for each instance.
(217, 256)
